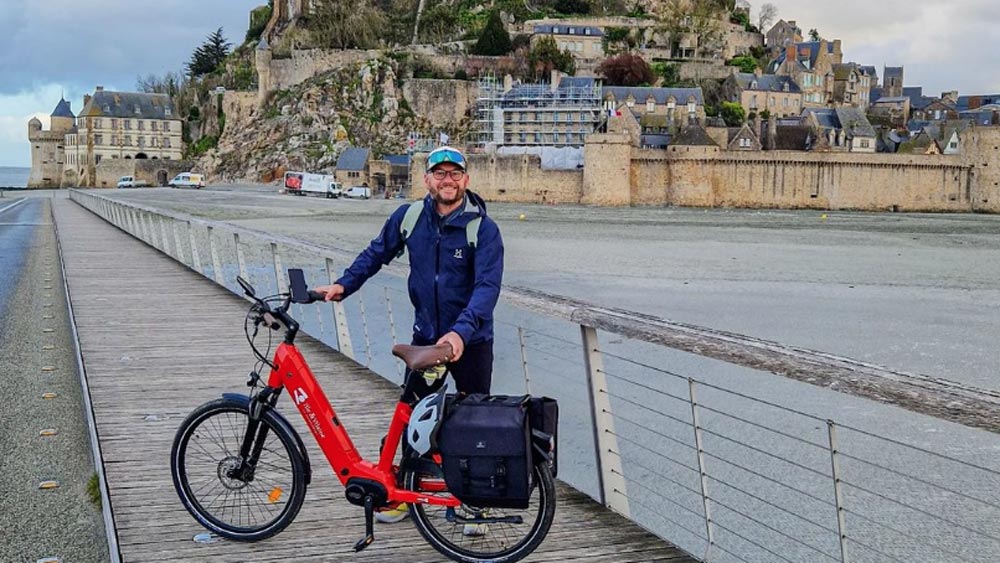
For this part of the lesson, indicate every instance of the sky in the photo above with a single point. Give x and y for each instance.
(66, 47)
(50, 48)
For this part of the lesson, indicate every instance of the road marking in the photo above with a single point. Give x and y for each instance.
(18, 202)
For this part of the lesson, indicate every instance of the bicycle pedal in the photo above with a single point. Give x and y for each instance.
(368, 540)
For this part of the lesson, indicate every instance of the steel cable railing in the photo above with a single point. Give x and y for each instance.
(743, 449)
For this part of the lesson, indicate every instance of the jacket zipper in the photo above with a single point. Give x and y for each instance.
(437, 273)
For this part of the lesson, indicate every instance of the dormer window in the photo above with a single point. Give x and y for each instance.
(167, 112)
(555, 29)
(650, 106)
(138, 110)
(572, 30)
(785, 87)
(586, 31)
(753, 85)
(107, 108)
(671, 103)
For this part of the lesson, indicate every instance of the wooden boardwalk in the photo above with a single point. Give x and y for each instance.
(157, 340)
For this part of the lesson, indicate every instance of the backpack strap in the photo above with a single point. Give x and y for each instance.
(409, 222)
(413, 214)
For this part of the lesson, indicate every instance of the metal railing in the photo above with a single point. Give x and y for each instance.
(731, 464)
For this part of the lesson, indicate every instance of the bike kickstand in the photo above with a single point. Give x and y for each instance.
(369, 524)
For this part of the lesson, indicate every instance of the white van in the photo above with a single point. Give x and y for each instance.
(131, 182)
(187, 180)
(359, 192)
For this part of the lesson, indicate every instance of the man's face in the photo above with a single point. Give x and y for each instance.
(446, 190)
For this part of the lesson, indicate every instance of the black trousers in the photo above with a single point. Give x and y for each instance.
(473, 373)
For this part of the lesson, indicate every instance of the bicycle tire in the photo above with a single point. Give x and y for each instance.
(204, 447)
(498, 543)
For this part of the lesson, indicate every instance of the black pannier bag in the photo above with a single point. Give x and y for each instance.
(486, 451)
(544, 415)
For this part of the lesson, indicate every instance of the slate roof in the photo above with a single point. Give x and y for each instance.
(766, 82)
(891, 99)
(565, 29)
(967, 102)
(792, 137)
(853, 120)
(870, 71)
(876, 94)
(129, 105)
(694, 136)
(978, 117)
(398, 159)
(917, 145)
(63, 109)
(655, 141)
(660, 95)
(893, 72)
(806, 52)
(353, 158)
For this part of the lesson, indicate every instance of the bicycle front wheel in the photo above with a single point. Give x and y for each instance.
(247, 507)
(472, 535)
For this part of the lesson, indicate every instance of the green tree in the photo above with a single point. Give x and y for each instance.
(259, 17)
(733, 114)
(494, 39)
(746, 63)
(210, 55)
(545, 57)
(627, 69)
(670, 72)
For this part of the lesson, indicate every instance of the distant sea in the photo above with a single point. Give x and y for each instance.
(14, 177)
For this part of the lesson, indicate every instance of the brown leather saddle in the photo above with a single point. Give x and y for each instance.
(419, 358)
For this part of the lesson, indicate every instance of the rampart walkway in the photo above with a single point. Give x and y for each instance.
(158, 340)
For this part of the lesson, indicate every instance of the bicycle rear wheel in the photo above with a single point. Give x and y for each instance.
(498, 540)
(206, 450)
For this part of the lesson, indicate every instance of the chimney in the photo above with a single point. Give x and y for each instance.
(99, 89)
(508, 83)
(86, 99)
(555, 79)
(772, 132)
(792, 23)
(836, 46)
(791, 54)
(757, 72)
(951, 96)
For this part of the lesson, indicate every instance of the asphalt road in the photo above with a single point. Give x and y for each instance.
(36, 358)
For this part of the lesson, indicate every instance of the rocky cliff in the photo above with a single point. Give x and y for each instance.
(308, 126)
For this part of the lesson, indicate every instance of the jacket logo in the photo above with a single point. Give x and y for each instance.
(458, 253)
(480, 445)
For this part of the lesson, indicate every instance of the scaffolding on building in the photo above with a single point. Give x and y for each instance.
(536, 115)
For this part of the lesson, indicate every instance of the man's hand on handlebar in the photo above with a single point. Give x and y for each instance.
(456, 342)
(333, 292)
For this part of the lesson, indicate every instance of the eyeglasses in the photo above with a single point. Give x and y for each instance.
(455, 174)
(445, 155)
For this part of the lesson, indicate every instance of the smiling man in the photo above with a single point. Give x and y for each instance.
(456, 268)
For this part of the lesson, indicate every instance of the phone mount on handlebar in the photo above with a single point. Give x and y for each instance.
(297, 283)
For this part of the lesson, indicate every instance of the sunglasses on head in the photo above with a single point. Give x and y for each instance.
(445, 156)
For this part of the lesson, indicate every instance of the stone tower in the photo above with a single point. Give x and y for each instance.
(262, 60)
(48, 155)
(892, 81)
(979, 153)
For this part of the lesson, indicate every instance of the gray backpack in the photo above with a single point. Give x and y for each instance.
(413, 213)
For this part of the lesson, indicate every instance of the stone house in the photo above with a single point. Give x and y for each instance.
(584, 42)
(851, 85)
(894, 109)
(742, 139)
(843, 129)
(781, 35)
(921, 144)
(810, 64)
(693, 136)
(933, 109)
(673, 107)
(353, 167)
(778, 95)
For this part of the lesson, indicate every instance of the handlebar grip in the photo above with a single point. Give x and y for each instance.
(316, 296)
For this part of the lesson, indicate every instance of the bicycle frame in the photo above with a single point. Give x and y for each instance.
(293, 373)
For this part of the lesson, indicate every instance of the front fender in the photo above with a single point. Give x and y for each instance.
(245, 401)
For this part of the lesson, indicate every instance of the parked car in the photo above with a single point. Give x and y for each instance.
(359, 192)
(131, 182)
(302, 183)
(187, 180)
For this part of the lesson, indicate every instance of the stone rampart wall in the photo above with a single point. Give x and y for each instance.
(440, 101)
(304, 64)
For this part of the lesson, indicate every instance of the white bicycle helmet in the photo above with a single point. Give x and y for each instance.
(425, 419)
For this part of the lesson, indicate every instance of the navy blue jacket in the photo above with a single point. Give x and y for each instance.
(453, 287)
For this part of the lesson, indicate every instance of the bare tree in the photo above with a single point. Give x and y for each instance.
(768, 12)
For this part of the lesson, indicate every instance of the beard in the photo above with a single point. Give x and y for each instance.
(439, 196)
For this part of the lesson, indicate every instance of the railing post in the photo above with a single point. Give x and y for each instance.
(364, 328)
(163, 232)
(178, 245)
(340, 319)
(279, 275)
(524, 359)
(702, 472)
(611, 477)
(195, 257)
(392, 326)
(152, 230)
(239, 257)
(837, 490)
(216, 265)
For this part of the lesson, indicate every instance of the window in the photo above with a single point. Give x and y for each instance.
(772, 101)
(691, 107)
(753, 102)
(98, 139)
(650, 106)
(107, 108)
(142, 141)
(166, 142)
(97, 159)
(784, 102)
(114, 124)
(97, 124)
(140, 124)
(864, 143)
(128, 124)
(138, 110)
(114, 140)
(167, 112)
(152, 126)
(671, 103)
(953, 145)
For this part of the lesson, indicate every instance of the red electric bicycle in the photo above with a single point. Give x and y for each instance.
(242, 471)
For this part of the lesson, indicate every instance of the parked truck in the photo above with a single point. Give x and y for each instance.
(303, 183)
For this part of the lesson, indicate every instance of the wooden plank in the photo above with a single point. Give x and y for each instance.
(157, 339)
